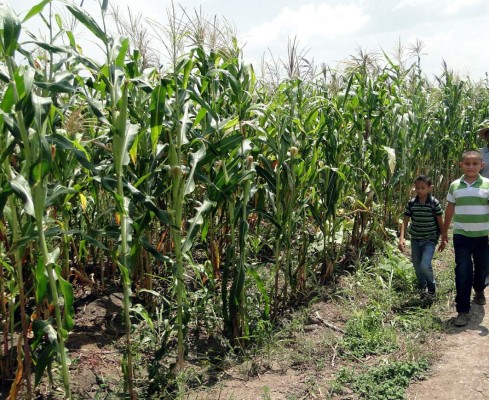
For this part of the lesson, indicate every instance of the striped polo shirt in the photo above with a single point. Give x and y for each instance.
(424, 225)
(471, 216)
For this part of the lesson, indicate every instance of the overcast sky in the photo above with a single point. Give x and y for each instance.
(456, 31)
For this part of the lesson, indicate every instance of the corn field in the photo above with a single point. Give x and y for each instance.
(194, 186)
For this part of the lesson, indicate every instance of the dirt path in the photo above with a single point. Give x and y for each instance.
(462, 372)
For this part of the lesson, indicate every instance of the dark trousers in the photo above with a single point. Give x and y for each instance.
(471, 267)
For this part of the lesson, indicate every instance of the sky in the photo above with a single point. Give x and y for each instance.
(329, 32)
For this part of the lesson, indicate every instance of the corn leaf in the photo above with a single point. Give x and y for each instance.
(195, 222)
(10, 27)
(37, 9)
(22, 189)
(88, 21)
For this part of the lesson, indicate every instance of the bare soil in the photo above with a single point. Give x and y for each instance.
(296, 366)
(94, 350)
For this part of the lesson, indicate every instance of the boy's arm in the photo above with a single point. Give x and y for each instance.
(449, 213)
(439, 221)
(401, 234)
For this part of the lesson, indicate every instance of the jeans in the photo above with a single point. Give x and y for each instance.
(471, 267)
(421, 255)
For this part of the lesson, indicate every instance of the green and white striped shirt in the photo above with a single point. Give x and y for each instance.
(471, 216)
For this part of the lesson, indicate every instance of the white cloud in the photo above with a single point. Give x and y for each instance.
(309, 21)
(453, 7)
(441, 7)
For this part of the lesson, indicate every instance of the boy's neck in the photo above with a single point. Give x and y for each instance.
(423, 198)
(470, 180)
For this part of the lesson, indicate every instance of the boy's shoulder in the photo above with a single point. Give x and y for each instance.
(431, 200)
(482, 183)
(456, 181)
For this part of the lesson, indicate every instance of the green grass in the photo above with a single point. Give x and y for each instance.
(383, 382)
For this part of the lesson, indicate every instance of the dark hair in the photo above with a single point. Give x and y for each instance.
(423, 178)
(472, 153)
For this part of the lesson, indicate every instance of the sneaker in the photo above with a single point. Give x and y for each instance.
(462, 319)
(479, 298)
(431, 297)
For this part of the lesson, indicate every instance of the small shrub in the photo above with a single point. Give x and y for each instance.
(366, 334)
(385, 382)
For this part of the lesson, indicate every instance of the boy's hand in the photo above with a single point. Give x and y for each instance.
(401, 246)
(442, 245)
(443, 242)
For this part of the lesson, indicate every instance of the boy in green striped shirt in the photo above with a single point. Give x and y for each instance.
(468, 206)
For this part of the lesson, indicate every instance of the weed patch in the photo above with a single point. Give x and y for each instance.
(366, 334)
(384, 382)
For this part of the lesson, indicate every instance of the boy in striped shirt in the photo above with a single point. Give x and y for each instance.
(425, 214)
(468, 206)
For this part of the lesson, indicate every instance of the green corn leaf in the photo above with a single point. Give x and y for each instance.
(185, 125)
(41, 106)
(10, 28)
(5, 193)
(105, 5)
(143, 313)
(122, 145)
(263, 291)
(118, 51)
(63, 86)
(37, 9)
(89, 22)
(195, 222)
(195, 159)
(124, 273)
(153, 250)
(201, 114)
(97, 110)
(222, 148)
(71, 39)
(53, 257)
(4, 76)
(42, 282)
(157, 110)
(8, 151)
(26, 82)
(44, 360)
(147, 201)
(53, 49)
(22, 189)
(66, 291)
(76, 148)
(59, 22)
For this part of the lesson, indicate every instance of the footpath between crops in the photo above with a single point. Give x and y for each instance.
(462, 371)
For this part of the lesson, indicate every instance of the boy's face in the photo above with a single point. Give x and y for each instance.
(422, 189)
(471, 166)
